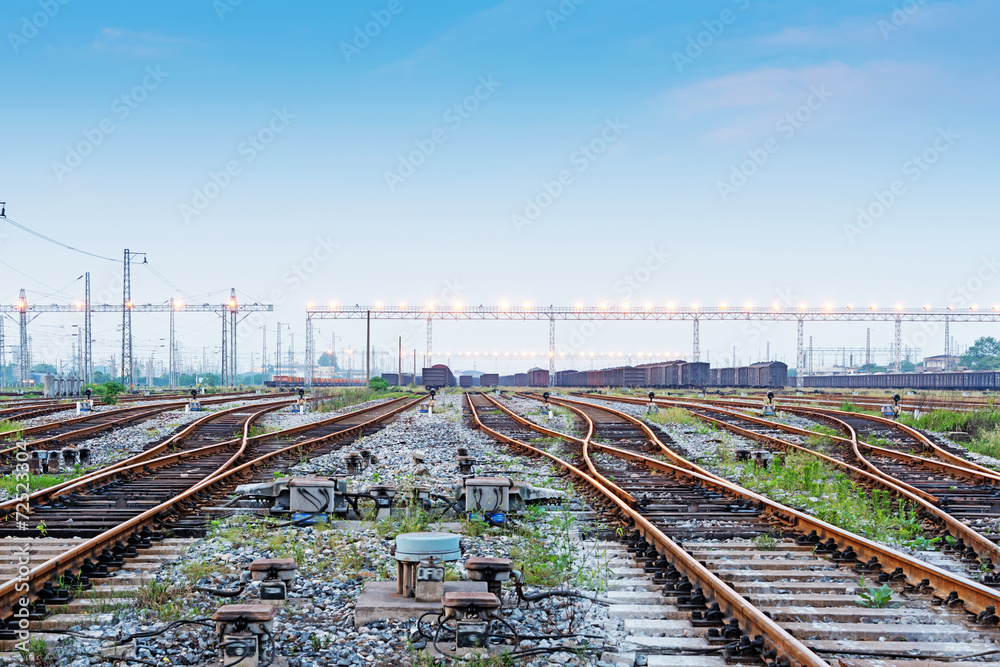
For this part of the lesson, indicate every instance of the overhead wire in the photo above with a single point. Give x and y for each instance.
(58, 243)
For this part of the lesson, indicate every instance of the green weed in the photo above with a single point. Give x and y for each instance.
(805, 482)
(875, 598)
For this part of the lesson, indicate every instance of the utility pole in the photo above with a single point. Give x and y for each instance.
(368, 351)
(88, 334)
(277, 353)
(24, 361)
(868, 351)
(233, 311)
(399, 376)
(172, 359)
(224, 374)
(128, 372)
(3, 355)
(310, 352)
(414, 365)
(263, 356)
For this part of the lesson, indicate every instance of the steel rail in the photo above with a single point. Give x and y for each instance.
(926, 443)
(131, 462)
(731, 602)
(875, 476)
(14, 590)
(976, 596)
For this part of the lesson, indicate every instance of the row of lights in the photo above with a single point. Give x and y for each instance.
(505, 307)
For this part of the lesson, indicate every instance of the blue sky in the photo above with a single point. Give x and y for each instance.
(740, 138)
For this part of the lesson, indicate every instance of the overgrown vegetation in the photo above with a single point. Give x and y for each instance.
(547, 552)
(10, 429)
(10, 483)
(108, 392)
(847, 406)
(809, 484)
(163, 601)
(823, 440)
(674, 416)
(983, 427)
(345, 397)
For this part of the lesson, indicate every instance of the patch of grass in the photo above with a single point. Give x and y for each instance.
(983, 426)
(9, 483)
(39, 654)
(805, 482)
(674, 416)
(823, 440)
(411, 522)
(847, 406)
(766, 542)
(344, 397)
(259, 429)
(163, 601)
(547, 552)
(10, 429)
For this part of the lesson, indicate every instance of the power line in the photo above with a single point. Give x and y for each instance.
(58, 243)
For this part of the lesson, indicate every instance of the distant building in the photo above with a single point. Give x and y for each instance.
(940, 362)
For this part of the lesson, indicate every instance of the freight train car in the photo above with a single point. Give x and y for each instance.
(299, 381)
(961, 380)
(438, 376)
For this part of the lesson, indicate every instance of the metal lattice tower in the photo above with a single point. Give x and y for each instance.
(224, 374)
(429, 341)
(127, 376)
(800, 358)
(3, 356)
(24, 358)
(868, 350)
(277, 352)
(552, 351)
(263, 356)
(899, 344)
(88, 334)
(947, 341)
(696, 353)
(310, 351)
(172, 359)
(234, 308)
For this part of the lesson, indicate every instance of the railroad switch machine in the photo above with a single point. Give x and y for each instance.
(769, 406)
(300, 407)
(194, 405)
(891, 411)
(245, 632)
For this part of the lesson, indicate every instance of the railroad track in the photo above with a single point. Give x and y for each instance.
(122, 509)
(76, 428)
(683, 520)
(960, 497)
(955, 403)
